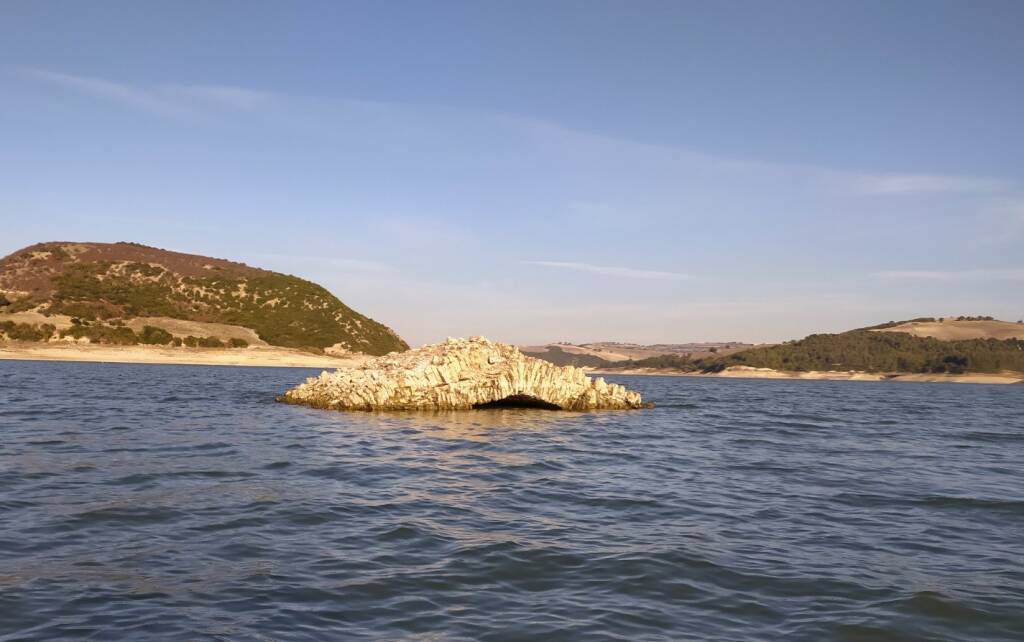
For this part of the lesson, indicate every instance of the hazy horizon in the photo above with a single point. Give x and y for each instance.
(644, 172)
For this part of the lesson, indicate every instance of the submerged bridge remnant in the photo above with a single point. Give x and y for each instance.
(460, 374)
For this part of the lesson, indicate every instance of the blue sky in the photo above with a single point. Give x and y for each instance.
(637, 171)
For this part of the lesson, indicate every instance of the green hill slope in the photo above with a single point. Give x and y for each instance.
(560, 357)
(106, 283)
(865, 350)
(885, 352)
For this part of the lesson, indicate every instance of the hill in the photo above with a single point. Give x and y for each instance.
(125, 293)
(888, 348)
(895, 352)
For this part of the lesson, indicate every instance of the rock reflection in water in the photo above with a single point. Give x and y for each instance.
(473, 425)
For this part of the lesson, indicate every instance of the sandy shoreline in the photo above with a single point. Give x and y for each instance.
(742, 372)
(266, 356)
(253, 356)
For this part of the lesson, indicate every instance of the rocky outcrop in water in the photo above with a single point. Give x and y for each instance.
(460, 374)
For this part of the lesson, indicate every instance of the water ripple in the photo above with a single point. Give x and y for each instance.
(181, 503)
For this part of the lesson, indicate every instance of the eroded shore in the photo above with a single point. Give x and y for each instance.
(743, 372)
(252, 356)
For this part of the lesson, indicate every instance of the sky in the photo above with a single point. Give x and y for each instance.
(540, 171)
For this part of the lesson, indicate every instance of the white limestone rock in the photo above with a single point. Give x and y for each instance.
(460, 374)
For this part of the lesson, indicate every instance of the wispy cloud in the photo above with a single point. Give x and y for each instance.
(912, 274)
(860, 182)
(184, 101)
(1010, 274)
(629, 273)
(169, 101)
(126, 95)
(221, 96)
(894, 184)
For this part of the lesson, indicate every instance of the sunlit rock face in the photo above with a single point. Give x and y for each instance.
(460, 374)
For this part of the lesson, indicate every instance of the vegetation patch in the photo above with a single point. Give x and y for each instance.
(283, 310)
(893, 324)
(101, 333)
(151, 335)
(27, 331)
(560, 357)
(202, 342)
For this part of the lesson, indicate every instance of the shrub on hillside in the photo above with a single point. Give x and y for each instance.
(202, 342)
(87, 310)
(238, 343)
(27, 331)
(103, 334)
(152, 335)
(21, 305)
(893, 324)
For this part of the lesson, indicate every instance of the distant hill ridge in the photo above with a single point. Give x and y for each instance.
(893, 349)
(103, 285)
(602, 353)
(977, 344)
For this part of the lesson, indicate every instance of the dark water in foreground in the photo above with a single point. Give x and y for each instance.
(181, 503)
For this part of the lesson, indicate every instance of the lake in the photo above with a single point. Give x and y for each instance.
(182, 503)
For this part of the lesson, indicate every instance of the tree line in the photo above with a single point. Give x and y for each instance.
(112, 334)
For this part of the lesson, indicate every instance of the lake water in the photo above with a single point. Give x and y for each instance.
(182, 503)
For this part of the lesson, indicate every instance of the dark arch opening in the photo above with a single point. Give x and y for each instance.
(518, 401)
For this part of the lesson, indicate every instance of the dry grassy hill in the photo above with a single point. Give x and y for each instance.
(954, 329)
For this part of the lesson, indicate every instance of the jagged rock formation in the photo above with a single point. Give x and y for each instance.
(460, 375)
